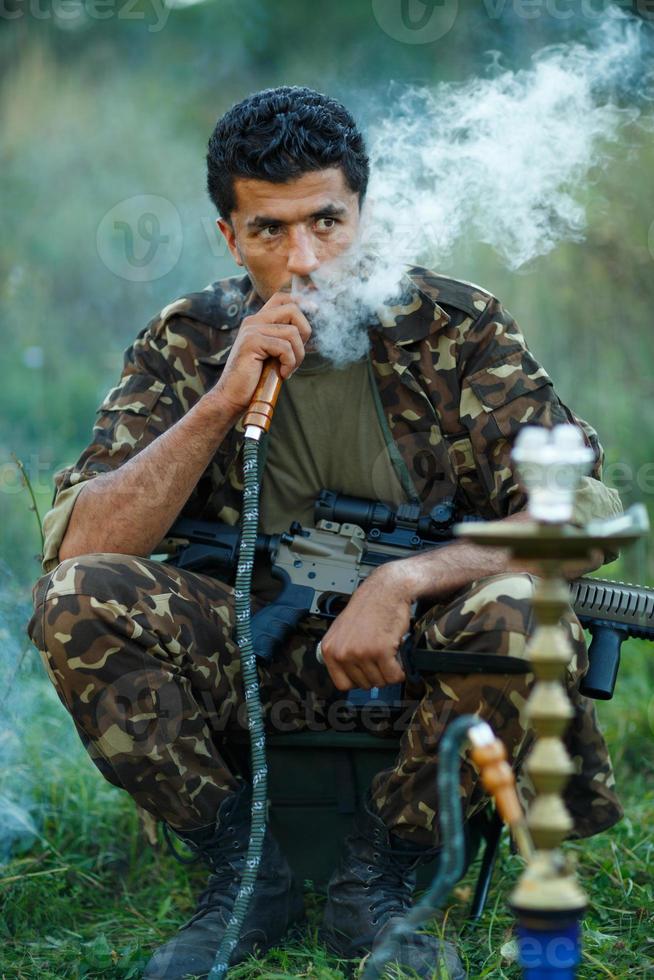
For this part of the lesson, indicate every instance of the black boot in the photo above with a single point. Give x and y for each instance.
(372, 886)
(275, 904)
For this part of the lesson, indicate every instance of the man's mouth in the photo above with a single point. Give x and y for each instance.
(302, 284)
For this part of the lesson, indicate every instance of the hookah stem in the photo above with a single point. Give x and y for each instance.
(253, 704)
(452, 859)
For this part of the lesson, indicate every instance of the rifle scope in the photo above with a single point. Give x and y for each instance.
(374, 516)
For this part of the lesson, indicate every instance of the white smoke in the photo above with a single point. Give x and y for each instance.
(16, 823)
(504, 160)
(36, 737)
(343, 295)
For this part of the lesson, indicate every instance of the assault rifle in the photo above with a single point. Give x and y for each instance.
(320, 567)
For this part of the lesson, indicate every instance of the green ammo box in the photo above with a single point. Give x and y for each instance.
(316, 781)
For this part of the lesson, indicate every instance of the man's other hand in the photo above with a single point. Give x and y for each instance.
(360, 648)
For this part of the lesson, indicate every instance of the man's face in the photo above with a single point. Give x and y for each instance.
(278, 231)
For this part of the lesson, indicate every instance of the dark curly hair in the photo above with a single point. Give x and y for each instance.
(279, 134)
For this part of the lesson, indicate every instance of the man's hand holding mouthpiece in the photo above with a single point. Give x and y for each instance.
(278, 330)
(128, 510)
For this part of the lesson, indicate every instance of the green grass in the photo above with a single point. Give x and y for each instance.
(94, 902)
(87, 898)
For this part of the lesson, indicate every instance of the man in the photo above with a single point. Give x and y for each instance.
(430, 413)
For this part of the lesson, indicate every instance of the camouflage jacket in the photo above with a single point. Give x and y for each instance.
(453, 383)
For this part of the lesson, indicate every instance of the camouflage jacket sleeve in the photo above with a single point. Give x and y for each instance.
(145, 402)
(503, 388)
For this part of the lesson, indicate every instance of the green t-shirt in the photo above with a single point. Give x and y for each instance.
(325, 433)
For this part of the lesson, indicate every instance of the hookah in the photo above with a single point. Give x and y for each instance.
(547, 901)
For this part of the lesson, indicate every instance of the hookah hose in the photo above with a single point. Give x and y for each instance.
(489, 755)
(452, 863)
(256, 421)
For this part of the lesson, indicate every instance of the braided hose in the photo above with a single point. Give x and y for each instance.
(453, 854)
(242, 590)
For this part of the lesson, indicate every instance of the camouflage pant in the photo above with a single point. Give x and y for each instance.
(143, 656)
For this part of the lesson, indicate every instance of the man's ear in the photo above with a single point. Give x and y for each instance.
(230, 237)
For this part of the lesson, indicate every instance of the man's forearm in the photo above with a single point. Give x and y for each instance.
(442, 571)
(129, 510)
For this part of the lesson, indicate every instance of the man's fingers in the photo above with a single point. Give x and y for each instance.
(347, 672)
(345, 677)
(391, 669)
(357, 678)
(288, 313)
(372, 673)
(341, 681)
(283, 350)
(292, 346)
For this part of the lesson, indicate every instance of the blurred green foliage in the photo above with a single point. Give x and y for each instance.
(98, 110)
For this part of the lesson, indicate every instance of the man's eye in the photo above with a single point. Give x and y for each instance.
(325, 224)
(270, 231)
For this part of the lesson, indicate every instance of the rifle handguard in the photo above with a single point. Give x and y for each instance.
(612, 611)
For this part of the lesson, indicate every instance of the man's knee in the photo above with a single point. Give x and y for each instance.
(504, 604)
(65, 596)
(111, 586)
(492, 596)
(103, 575)
(493, 615)
(101, 613)
(66, 610)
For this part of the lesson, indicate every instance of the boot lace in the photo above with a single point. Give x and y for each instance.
(227, 861)
(390, 876)
(226, 857)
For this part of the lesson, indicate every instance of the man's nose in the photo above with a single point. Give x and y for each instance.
(302, 259)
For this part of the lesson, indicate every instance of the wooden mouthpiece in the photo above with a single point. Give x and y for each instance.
(264, 399)
(498, 779)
